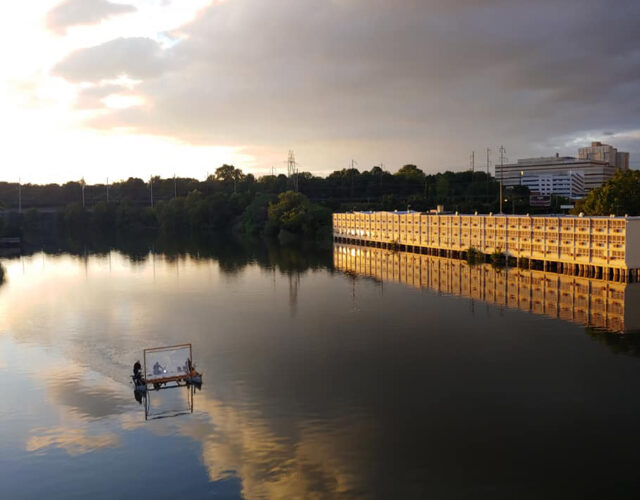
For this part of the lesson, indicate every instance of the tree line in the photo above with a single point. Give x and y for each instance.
(230, 199)
(376, 187)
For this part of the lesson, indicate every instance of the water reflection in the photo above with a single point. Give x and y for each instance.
(167, 401)
(232, 254)
(318, 385)
(592, 302)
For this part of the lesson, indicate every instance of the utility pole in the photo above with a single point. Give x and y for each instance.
(151, 189)
(175, 188)
(488, 161)
(292, 170)
(353, 164)
(107, 190)
(19, 194)
(488, 165)
(83, 184)
(473, 161)
(502, 158)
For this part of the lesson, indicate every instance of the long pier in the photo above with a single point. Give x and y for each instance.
(598, 247)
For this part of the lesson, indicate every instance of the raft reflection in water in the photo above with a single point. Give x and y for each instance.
(594, 303)
(169, 401)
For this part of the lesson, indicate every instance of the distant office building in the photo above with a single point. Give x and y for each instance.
(597, 164)
(595, 172)
(622, 160)
(569, 185)
(604, 152)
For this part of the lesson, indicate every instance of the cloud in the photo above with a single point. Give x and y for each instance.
(91, 97)
(75, 441)
(132, 57)
(78, 12)
(396, 81)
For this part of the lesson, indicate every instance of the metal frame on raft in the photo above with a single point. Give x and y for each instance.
(174, 378)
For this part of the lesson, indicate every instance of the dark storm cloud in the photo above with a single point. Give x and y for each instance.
(76, 12)
(421, 81)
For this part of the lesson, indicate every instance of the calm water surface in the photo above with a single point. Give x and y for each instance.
(319, 382)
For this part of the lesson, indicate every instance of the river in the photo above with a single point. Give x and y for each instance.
(328, 373)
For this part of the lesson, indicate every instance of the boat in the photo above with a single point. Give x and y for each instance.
(165, 367)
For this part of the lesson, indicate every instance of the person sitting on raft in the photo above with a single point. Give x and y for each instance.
(137, 376)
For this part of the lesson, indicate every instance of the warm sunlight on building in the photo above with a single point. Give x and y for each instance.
(602, 246)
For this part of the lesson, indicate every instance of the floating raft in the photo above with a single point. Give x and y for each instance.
(195, 379)
(164, 365)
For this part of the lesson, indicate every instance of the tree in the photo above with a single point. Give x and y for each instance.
(228, 173)
(411, 173)
(293, 212)
(619, 196)
(442, 188)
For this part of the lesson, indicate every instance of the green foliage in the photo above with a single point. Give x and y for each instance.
(255, 216)
(231, 199)
(442, 189)
(370, 189)
(498, 259)
(628, 344)
(75, 218)
(294, 213)
(474, 256)
(411, 173)
(172, 217)
(104, 216)
(228, 173)
(619, 196)
(130, 218)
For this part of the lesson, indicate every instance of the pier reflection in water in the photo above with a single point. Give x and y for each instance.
(317, 384)
(596, 303)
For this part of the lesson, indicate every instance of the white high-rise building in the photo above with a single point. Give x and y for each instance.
(597, 164)
(569, 185)
(595, 173)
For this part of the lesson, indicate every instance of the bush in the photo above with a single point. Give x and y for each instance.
(474, 256)
(498, 259)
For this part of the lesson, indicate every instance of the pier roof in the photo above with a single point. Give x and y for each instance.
(560, 216)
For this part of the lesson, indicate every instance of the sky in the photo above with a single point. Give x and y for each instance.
(99, 89)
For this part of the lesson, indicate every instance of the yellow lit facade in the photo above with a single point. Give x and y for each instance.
(592, 302)
(601, 242)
